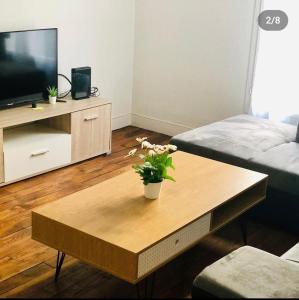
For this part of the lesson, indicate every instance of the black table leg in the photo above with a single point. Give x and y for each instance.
(59, 263)
(243, 226)
(153, 286)
(145, 288)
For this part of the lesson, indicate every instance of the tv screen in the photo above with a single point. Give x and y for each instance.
(28, 65)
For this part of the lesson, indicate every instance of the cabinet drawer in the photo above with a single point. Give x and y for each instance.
(33, 149)
(173, 245)
(91, 132)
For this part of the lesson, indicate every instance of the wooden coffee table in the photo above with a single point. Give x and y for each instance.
(114, 228)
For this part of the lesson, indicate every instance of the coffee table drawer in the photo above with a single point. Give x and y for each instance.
(173, 245)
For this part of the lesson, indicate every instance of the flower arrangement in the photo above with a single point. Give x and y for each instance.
(156, 161)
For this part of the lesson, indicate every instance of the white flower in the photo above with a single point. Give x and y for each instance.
(141, 156)
(152, 153)
(158, 148)
(132, 153)
(166, 148)
(161, 152)
(172, 147)
(140, 140)
(146, 145)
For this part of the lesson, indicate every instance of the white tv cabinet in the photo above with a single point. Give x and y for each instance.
(33, 142)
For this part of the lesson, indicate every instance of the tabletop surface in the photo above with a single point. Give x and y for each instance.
(116, 211)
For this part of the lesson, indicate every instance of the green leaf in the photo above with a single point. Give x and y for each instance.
(155, 168)
(52, 90)
(169, 162)
(169, 178)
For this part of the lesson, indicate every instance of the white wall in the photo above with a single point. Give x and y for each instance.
(191, 62)
(96, 33)
(191, 56)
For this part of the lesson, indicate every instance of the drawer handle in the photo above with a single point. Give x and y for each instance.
(90, 118)
(177, 242)
(39, 153)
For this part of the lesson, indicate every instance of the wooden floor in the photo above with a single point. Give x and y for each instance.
(27, 267)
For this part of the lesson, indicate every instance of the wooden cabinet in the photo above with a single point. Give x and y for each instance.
(91, 132)
(1, 157)
(33, 142)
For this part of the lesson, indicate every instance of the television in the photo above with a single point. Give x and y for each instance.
(28, 65)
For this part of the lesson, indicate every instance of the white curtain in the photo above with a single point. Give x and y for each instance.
(275, 93)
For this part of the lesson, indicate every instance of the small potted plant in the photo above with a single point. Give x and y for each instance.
(53, 93)
(156, 160)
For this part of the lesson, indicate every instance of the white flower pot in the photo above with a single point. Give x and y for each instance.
(152, 190)
(52, 100)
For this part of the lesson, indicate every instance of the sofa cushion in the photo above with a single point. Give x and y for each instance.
(250, 273)
(243, 136)
(246, 141)
(281, 163)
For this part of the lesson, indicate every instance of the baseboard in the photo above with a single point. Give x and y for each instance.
(154, 124)
(149, 123)
(121, 121)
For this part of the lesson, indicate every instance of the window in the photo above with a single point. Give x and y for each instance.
(275, 92)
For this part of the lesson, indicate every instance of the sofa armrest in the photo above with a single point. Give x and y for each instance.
(292, 255)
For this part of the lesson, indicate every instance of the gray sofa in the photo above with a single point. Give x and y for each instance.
(260, 145)
(250, 273)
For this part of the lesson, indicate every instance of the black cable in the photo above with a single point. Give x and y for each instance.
(61, 96)
(65, 78)
(94, 92)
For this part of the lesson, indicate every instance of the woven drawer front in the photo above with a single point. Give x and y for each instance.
(173, 245)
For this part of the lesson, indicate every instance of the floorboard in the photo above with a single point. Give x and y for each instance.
(27, 267)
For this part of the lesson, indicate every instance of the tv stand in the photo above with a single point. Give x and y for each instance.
(33, 142)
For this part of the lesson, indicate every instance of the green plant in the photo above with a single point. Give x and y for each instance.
(52, 90)
(156, 160)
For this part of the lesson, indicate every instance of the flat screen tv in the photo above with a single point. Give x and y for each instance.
(28, 65)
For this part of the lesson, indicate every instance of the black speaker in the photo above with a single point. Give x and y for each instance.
(81, 83)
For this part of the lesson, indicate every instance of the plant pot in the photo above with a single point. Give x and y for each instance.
(52, 100)
(152, 190)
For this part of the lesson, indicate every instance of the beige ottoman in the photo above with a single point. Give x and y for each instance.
(250, 273)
